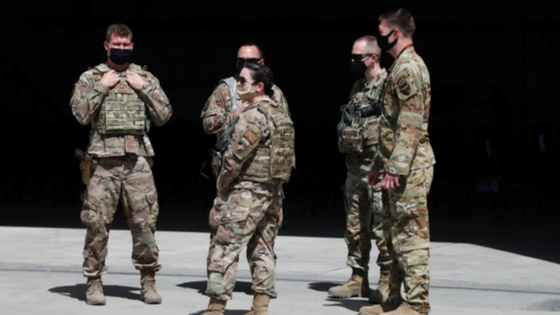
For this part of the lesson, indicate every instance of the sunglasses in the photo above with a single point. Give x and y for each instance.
(248, 60)
(359, 57)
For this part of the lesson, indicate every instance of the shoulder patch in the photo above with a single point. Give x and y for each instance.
(404, 87)
(251, 136)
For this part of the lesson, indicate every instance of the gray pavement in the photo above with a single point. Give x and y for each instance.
(40, 274)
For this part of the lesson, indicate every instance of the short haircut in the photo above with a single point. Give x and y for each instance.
(118, 29)
(371, 44)
(262, 73)
(253, 44)
(401, 19)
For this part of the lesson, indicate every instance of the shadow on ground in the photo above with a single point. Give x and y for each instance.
(200, 286)
(78, 291)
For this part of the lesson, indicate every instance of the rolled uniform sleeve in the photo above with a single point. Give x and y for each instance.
(249, 132)
(156, 100)
(215, 115)
(87, 97)
(410, 123)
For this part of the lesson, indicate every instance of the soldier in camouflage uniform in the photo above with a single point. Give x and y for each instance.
(255, 165)
(220, 114)
(358, 136)
(120, 100)
(406, 159)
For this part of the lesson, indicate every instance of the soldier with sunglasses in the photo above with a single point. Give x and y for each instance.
(358, 132)
(221, 112)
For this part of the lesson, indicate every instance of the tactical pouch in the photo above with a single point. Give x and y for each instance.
(87, 166)
(351, 140)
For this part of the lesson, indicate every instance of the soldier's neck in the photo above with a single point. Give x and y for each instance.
(371, 74)
(116, 67)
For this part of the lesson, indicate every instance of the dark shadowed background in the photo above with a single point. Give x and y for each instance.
(493, 125)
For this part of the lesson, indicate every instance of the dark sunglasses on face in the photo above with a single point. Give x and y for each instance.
(241, 80)
(359, 57)
(248, 60)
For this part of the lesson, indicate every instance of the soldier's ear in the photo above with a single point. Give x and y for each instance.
(106, 45)
(132, 46)
(261, 61)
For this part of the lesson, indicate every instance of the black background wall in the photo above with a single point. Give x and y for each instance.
(492, 64)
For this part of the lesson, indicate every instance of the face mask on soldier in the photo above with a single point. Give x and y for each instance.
(244, 91)
(358, 68)
(120, 56)
(383, 41)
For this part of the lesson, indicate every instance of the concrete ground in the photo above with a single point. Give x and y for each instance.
(495, 270)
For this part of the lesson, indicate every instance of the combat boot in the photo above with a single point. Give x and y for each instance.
(380, 294)
(403, 309)
(357, 285)
(94, 292)
(149, 293)
(260, 305)
(216, 307)
(382, 308)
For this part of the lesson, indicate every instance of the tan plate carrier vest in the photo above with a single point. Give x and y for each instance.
(275, 158)
(122, 112)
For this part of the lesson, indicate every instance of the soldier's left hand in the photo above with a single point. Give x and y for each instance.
(135, 80)
(391, 181)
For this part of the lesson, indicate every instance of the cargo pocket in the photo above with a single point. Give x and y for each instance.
(152, 198)
(92, 212)
(234, 218)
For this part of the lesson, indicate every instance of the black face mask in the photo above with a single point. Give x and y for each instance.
(120, 56)
(358, 68)
(383, 42)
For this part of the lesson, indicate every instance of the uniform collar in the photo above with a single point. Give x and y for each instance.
(377, 81)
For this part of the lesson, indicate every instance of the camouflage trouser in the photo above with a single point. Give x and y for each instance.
(251, 218)
(362, 202)
(129, 177)
(405, 215)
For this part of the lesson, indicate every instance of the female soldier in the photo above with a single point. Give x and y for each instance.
(257, 162)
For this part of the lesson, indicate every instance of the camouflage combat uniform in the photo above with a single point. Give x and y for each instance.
(125, 156)
(255, 165)
(404, 149)
(216, 116)
(362, 200)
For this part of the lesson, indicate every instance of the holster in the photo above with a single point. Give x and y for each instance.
(87, 166)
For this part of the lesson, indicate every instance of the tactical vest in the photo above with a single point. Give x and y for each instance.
(231, 83)
(363, 132)
(122, 112)
(274, 158)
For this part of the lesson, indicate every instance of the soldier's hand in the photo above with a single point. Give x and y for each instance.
(110, 78)
(391, 181)
(135, 80)
(373, 178)
(239, 110)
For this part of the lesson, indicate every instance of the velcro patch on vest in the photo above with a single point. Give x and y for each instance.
(251, 136)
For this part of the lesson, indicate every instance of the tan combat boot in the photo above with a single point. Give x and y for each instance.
(382, 308)
(149, 293)
(260, 304)
(403, 309)
(380, 294)
(94, 292)
(216, 307)
(357, 285)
